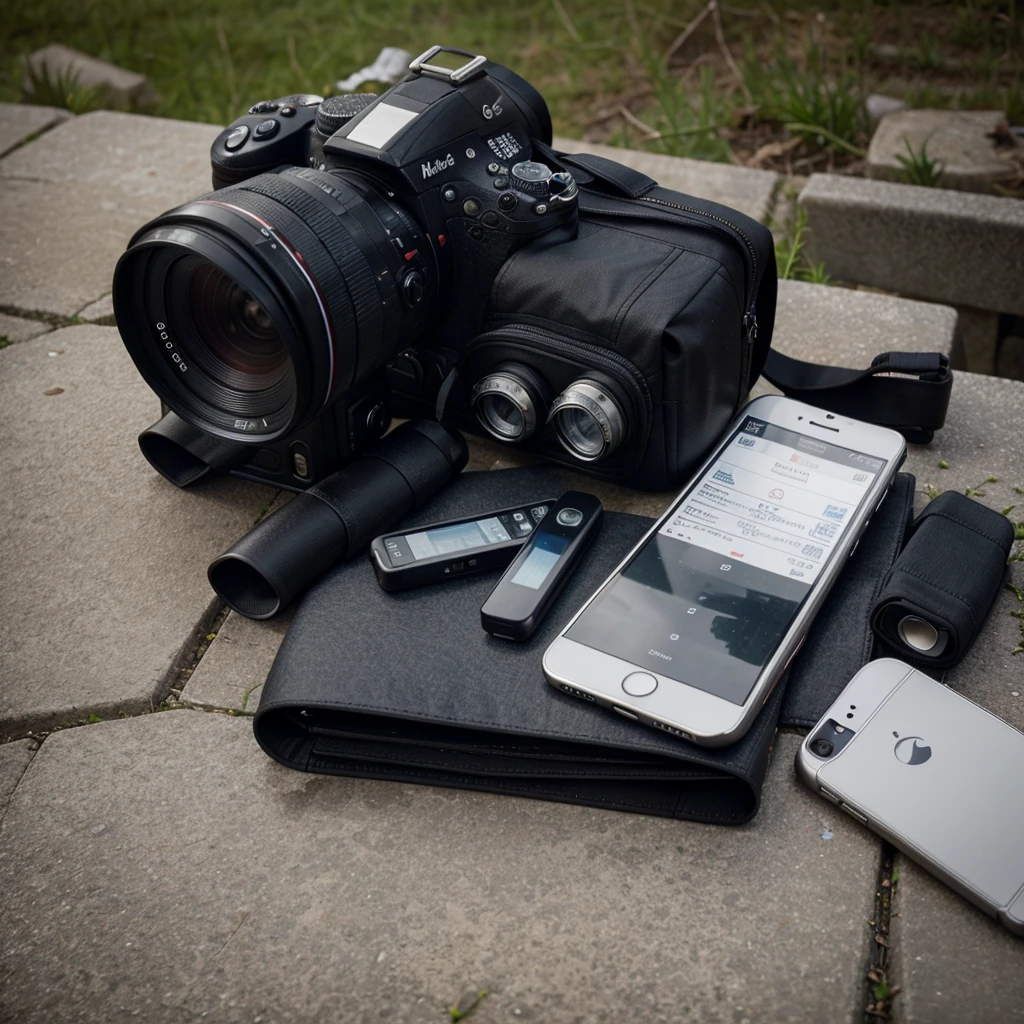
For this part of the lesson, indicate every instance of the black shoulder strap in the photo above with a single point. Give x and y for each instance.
(908, 391)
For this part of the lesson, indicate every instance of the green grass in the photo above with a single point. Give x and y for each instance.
(804, 66)
(919, 167)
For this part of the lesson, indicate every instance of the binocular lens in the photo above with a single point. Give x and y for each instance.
(510, 403)
(588, 420)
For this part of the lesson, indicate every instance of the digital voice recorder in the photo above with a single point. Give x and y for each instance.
(524, 593)
(458, 547)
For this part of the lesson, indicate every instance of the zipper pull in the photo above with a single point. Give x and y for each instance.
(750, 326)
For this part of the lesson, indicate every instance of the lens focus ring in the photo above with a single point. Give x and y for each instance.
(510, 402)
(588, 421)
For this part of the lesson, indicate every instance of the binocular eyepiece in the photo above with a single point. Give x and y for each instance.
(513, 403)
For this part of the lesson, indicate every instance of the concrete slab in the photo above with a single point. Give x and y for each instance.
(843, 327)
(59, 246)
(19, 328)
(955, 247)
(104, 561)
(14, 759)
(100, 311)
(232, 672)
(742, 188)
(151, 863)
(129, 154)
(951, 962)
(20, 121)
(975, 148)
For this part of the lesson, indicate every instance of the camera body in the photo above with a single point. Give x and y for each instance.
(437, 188)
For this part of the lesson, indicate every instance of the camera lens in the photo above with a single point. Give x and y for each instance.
(822, 747)
(511, 402)
(588, 421)
(252, 309)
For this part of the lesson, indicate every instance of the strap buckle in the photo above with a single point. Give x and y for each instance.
(474, 66)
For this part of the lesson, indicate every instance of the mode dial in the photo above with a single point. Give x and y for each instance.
(531, 176)
(336, 111)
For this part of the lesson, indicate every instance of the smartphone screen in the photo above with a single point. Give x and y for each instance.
(707, 600)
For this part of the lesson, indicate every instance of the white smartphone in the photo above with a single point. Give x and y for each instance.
(699, 621)
(933, 773)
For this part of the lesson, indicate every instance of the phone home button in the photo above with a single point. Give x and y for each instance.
(639, 684)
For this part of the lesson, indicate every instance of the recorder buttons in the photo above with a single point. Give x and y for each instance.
(571, 517)
(639, 684)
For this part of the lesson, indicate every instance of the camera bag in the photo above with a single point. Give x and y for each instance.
(407, 687)
(672, 298)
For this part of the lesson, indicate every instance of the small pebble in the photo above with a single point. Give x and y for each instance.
(826, 835)
(54, 391)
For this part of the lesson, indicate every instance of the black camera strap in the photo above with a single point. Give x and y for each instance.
(908, 391)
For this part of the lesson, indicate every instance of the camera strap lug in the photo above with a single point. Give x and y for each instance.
(474, 66)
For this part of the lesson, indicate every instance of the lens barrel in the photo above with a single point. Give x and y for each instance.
(286, 552)
(588, 420)
(511, 402)
(252, 309)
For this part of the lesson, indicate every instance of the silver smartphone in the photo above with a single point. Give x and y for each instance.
(699, 621)
(933, 773)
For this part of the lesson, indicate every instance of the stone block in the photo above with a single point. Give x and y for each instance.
(59, 246)
(955, 247)
(951, 961)
(150, 863)
(20, 121)
(235, 666)
(743, 188)
(974, 147)
(156, 158)
(115, 86)
(18, 328)
(104, 560)
(843, 327)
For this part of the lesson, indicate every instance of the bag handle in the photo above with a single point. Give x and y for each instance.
(908, 391)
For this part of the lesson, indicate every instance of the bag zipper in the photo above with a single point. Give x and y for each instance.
(604, 358)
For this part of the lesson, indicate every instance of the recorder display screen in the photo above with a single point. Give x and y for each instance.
(708, 598)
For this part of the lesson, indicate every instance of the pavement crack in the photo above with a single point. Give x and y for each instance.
(195, 981)
(879, 990)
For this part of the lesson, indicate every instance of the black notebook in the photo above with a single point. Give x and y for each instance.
(408, 687)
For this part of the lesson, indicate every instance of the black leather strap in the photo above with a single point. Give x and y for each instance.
(908, 391)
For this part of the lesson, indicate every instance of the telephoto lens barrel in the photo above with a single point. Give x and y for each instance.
(335, 519)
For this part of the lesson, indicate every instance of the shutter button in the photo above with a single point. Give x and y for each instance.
(237, 137)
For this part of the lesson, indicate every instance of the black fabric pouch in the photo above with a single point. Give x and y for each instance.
(941, 588)
(408, 687)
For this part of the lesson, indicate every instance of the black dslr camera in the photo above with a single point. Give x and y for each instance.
(345, 256)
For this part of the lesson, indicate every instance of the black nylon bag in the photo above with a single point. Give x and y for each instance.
(669, 298)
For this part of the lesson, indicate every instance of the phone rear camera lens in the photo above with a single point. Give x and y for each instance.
(823, 748)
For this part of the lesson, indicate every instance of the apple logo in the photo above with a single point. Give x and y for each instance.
(911, 749)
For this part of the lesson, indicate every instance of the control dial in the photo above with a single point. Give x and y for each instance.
(531, 176)
(336, 111)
